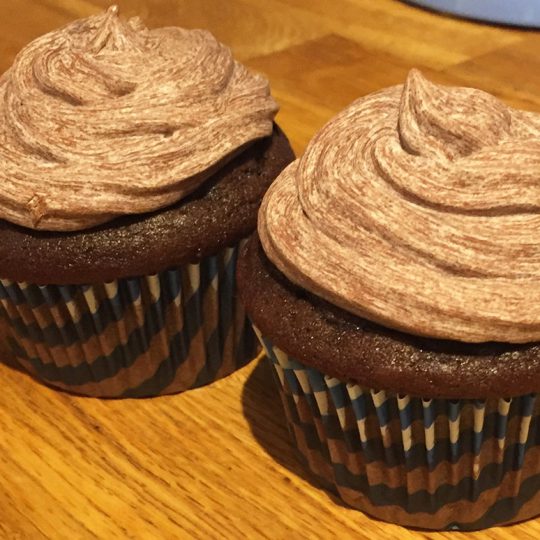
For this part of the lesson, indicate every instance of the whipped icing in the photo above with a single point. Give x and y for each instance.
(104, 117)
(418, 207)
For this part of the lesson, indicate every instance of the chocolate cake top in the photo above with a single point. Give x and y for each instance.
(218, 214)
(343, 345)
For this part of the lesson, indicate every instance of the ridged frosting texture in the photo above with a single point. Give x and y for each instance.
(104, 117)
(418, 207)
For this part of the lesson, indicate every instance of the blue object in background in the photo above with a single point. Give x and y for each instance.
(515, 12)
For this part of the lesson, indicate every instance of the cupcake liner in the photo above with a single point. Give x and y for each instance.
(137, 337)
(427, 463)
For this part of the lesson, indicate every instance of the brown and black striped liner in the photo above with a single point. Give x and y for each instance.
(138, 337)
(427, 463)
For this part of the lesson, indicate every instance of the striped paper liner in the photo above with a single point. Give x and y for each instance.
(426, 463)
(137, 337)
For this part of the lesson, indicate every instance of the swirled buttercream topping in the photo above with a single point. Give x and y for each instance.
(105, 117)
(418, 207)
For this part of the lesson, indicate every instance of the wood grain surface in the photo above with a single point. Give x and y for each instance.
(216, 462)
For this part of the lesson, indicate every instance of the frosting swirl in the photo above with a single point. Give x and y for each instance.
(104, 117)
(417, 207)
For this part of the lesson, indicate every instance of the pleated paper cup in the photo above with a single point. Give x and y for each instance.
(427, 463)
(137, 337)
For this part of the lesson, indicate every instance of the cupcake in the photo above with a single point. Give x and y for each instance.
(132, 166)
(394, 283)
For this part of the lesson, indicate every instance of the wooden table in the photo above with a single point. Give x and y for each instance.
(216, 462)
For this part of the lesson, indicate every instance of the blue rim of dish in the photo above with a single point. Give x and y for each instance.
(514, 12)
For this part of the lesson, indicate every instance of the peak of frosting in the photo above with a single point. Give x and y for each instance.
(104, 117)
(442, 122)
(417, 207)
(111, 33)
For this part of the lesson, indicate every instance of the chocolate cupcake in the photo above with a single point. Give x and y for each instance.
(394, 285)
(132, 166)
